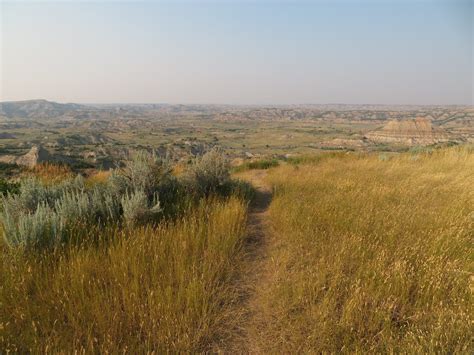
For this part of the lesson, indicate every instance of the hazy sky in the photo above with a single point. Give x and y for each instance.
(238, 52)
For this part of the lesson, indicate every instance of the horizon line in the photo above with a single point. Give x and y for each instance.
(85, 103)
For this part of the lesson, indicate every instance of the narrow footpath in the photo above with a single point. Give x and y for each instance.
(255, 273)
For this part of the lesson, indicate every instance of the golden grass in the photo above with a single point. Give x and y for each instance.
(179, 169)
(164, 289)
(49, 173)
(98, 177)
(371, 256)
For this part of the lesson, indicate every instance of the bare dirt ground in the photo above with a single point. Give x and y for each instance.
(256, 272)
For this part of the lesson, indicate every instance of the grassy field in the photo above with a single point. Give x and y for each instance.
(356, 252)
(131, 260)
(371, 254)
(166, 289)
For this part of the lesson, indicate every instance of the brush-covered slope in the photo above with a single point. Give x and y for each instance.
(36, 109)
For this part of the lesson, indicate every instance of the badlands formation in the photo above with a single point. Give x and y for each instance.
(419, 131)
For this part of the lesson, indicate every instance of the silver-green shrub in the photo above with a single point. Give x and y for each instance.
(210, 173)
(136, 208)
(43, 214)
(118, 184)
(73, 206)
(134, 205)
(40, 215)
(141, 172)
(57, 208)
(41, 227)
(105, 203)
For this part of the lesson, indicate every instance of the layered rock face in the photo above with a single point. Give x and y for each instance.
(32, 158)
(419, 131)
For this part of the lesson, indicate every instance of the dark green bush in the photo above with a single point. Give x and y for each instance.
(257, 165)
(8, 187)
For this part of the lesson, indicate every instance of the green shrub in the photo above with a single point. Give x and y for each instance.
(236, 188)
(136, 208)
(143, 172)
(143, 191)
(107, 207)
(40, 228)
(8, 170)
(209, 174)
(8, 187)
(44, 214)
(258, 164)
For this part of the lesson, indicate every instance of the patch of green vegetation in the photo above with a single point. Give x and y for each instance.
(257, 165)
(8, 187)
(143, 192)
(338, 148)
(9, 170)
(312, 158)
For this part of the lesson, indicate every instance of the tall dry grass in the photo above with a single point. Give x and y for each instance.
(50, 173)
(371, 255)
(164, 289)
(98, 177)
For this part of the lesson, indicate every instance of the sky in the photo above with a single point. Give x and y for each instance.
(238, 52)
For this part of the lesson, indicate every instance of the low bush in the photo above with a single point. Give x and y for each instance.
(43, 214)
(257, 164)
(208, 174)
(143, 191)
(8, 187)
(9, 170)
(137, 209)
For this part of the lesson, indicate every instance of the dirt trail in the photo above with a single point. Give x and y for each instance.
(256, 270)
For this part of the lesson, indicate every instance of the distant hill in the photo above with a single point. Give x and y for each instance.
(36, 109)
(451, 117)
(418, 131)
(5, 135)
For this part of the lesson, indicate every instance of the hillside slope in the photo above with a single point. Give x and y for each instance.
(36, 109)
(369, 255)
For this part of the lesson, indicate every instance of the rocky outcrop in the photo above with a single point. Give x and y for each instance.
(418, 131)
(8, 159)
(36, 155)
